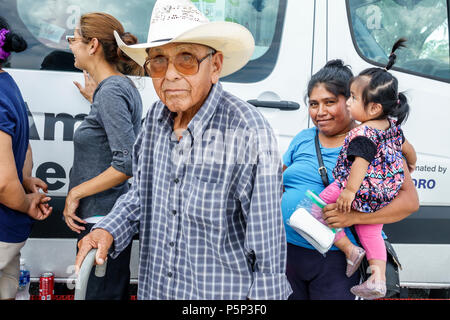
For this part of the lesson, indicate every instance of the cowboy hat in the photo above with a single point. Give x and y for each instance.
(180, 21)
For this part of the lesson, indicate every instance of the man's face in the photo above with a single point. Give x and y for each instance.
(180, 92)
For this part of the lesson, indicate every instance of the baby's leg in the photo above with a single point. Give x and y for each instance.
(330, 194)
(354, 254)
(372, 241)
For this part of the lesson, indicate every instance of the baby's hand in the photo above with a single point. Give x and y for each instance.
(344, 202)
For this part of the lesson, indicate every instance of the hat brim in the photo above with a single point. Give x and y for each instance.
(233, 40)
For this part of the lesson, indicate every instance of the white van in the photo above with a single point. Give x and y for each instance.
(294, 39)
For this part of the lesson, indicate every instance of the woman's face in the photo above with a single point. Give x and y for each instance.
(80, 50)
(328, 112)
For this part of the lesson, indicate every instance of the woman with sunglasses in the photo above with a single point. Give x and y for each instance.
(104, 140)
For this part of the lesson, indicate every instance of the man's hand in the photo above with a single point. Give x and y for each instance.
(344, 202)
(89, 87)
(38, 208)
(32, 185)
(99, 239)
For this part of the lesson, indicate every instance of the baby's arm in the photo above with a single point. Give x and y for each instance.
(410, 155)
(355, 179)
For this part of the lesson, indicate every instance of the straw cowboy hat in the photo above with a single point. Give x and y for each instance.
(181, 21)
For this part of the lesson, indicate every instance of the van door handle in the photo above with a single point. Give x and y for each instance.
(282, 105)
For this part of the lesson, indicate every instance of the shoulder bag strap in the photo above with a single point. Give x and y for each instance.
(322, 169)
(323, 174)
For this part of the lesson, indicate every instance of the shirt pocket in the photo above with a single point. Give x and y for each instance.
(205, 206)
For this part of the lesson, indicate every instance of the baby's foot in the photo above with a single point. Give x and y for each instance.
(354, 260)
(371, 289)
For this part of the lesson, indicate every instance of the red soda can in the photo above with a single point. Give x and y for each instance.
(46, 286)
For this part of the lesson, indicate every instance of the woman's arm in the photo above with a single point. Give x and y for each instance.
(410, 154)
(404, 204)
(116, 119)
(106, 180)
(12, 193)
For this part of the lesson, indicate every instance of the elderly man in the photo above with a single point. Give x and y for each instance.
(206, 193)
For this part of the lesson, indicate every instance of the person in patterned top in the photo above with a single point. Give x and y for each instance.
(369, 170)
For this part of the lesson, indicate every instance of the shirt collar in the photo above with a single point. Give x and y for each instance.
(200, 121)
(202, 118)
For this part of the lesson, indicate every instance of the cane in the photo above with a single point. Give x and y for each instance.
(85, 271)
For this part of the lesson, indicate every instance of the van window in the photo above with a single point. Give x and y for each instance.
(45, 24)
(376, 25)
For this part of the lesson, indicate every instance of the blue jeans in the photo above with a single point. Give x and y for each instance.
(315, 277)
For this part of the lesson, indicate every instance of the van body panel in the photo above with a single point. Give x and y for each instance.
(306, 35)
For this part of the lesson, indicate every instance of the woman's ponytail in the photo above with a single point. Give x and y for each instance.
(9, 41)
(126, 65)
(14, 43)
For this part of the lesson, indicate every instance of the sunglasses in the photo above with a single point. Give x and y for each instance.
(72, 39)
(184, 62)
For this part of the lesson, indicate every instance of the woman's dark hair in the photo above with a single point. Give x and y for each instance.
(335, 76)
(13, 41)
(382, 87)
(101, 26)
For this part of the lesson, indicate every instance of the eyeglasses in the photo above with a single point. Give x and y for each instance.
(72, 39)
(185, 63)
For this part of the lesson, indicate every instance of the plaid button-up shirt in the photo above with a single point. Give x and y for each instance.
(207, 206)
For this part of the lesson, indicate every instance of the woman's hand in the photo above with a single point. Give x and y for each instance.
(338, 219)
(32, 185)
(404, 204)
(70, 215)
(89, 86)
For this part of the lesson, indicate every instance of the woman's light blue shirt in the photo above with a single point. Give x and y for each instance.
(302, 174)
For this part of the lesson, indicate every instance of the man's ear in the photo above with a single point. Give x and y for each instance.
(217, 63)
(375, 109)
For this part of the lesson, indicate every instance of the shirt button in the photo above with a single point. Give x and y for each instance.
(169, 274)
(174, 212)
(176, 180)
(171, 244)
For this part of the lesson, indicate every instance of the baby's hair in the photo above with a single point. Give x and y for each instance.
(392, 57)
(382, 87)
